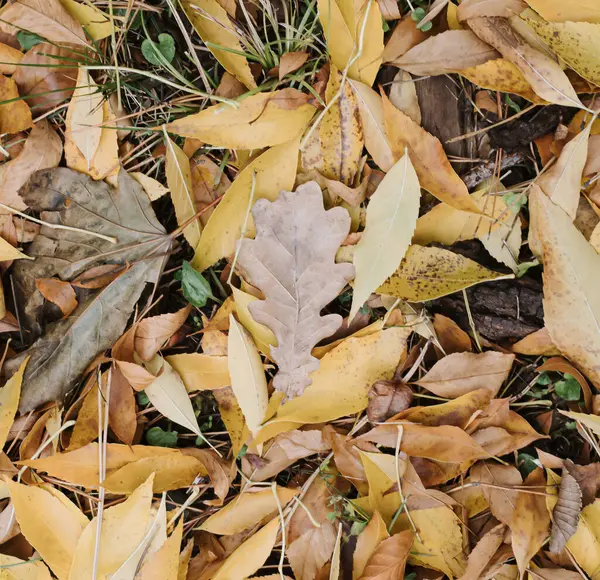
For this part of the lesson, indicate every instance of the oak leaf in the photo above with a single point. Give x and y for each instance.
(292, 262)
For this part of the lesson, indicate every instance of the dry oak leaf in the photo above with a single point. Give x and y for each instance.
(153, 333)
(388, 561)
(292, 262)
(260, 120)
(544, 75)
(446, 53)
(565, 515)
(461, 373)
(74, 199)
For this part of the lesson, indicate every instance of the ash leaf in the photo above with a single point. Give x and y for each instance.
(292, 260)
(566, 512)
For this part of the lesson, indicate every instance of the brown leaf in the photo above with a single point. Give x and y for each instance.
(292, 262)
(291, 62)
(208, 183)
(47, 75)
(389, 559)
(217, 468)
(452, 337)
(445, 53)
(153, 333)
(565, 515)
(588, 478)
(461, 373)
(543, 74)
(483, 552)
(404, 36)
(59, 293)
(121, 414)
(387, 398)
(500, 494)
(76, 200)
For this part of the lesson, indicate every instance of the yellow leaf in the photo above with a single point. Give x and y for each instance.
(48, 525)
(169, 395)
(274, 170)
(232, 416)
(590, 421)
(163, 564)
(153, 188)
(342, 22)
(123, 528)
(11, 57)
(179, 180)
(380, 470)
(16, 569)
(584, 544)
(246, 510)
(367, 542)
(201, 372)
(15, 114)
(261, 120)
(559, 11)
(86, 115)
(263, 336)
(215, 28)
(340, 385)
(248, 379)
(429, 273)
(95, 22)
(501, 75)
(320, 351)
(10, 394)
(251, 555)
(391, 217)
(184, 560)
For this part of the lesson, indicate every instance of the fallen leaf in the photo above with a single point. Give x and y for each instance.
(461, 373)
(163, 564)
(153, 188)
(261, 120)
(544, 75)
(390, 221)
(209, 182)
(451, 337)
(483, 552)
(588, 478)
(24, 570)
(389, 558)
(404, 36)
(535, 344)
(428, 158)
(46, 19)
(125, 213)
(475, 8)
(11, 57)
(9, 401)
(95, 22)
(179, 181)
(59, 293)
(285, 249)
(290, 62)
(49, 525)
(340, 385)
(445, 53)
(344, 24)
(15, 114)
(386, 399)
(247, 510)
(218, 32)
(571, 307)
(200, 372)
(429, 273)
(272, 172)
(501, 494)
(366, 544)
(122, 413)
(153, 333)
(233, 418)
(565, 515)
(557, 11)
(403, 95)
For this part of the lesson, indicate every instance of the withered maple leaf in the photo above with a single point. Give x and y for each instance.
(292, 260)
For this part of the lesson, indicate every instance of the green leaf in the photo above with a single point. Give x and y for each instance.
(357, 528)
(418, 14)
(568, 389)
(427, 26)
(157, 437)
(527, 463)
(544, 379)
(515, 200)
(28, 40)
(195, 286)
(524, 266)
(158, 53)
(142, 399)
(512, 104)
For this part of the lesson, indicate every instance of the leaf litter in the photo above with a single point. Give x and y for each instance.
(284, 311)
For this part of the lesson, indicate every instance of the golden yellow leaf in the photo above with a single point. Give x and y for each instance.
(163, 564)
(428, 158)
(342, 22)
(429, 273)
(10, 394)
(251, 555)
(261, 120)
(211, 22)
(232, 416)
(380, 470)
(501, 75)
(391, 218)
(48, 525)
(248, 379)
(263, 336)
(15, 114)
(559, 11)
(184, 560)
(274, 170)
(95, 22)
(11, 57)
(179, 181)
(368, 540)
(200, 372)
(584, 545)
(123, 528)
(247, 509)
(340, 385)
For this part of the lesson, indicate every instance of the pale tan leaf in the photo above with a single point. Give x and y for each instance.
(366, 544)
(504, 8)
(24, 570)
(211, 22)
(535, 344)
(543, 74)
(483, 552)
(445, 53)
(9, 402)
(153, 188)
(404, 36)
(389, 559)
(9, 252)
(461, 373)
(291, 62)
(565, 515)
(153, 333)
(501, 495)
(403, 94)
(391, 217)
(273, 171)
(164, 563)
(292, 262)
(248, 379)
(558, 11)
(179, 181)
